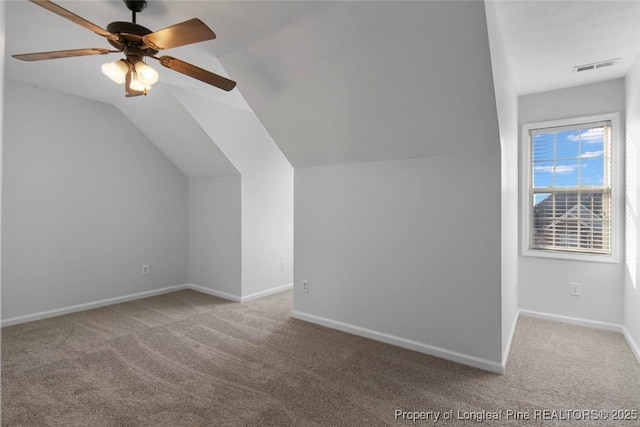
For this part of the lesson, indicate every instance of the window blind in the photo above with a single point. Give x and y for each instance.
(570, 188)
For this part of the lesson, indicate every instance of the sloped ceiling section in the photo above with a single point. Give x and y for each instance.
(365, 81)
(238, 134)
(177, 134)
(332, 82)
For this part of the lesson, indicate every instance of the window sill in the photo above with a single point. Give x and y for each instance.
(570, 256)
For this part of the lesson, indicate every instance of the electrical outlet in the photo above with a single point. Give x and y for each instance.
(575, 289)
(145, 270)
(305, 286)
(281, 265)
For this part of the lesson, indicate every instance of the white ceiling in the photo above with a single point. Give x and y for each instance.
(338, 82)
(546, 39)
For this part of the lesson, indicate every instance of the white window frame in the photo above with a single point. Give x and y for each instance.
(616, 190)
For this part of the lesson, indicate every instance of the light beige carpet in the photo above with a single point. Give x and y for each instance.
(188, 359)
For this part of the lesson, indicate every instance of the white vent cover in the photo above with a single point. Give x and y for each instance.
(595, 65)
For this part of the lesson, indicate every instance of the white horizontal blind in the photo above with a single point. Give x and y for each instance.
(570, 190)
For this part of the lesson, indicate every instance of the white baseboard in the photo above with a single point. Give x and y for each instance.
(268, 292)
(117, 300)
(88, 306)
(604, 326)
(219, 294)
(634, 346)
(505, 356)
(236, 298)
(464, 359)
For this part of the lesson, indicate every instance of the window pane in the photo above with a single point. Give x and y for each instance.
(539, 197)
(590, 149)
(570, 220)
(542, 219)
(593, 136)
(566, 173)
(592, 203)
(543, 147)
(567, 145)
(543, 174)
(592, 171)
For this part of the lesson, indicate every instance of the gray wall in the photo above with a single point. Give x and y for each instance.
(87, 200)
(214, 234)
(397, 174)
(2, 101)
(266, 192)
(544, 283)
(507, 108)
(631, 285)
(407, 248)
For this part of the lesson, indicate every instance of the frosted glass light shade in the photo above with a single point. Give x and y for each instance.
(137, 85)
(116, 71)
(145, 74)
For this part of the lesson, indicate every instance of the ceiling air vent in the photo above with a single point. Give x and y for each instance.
(595, 65)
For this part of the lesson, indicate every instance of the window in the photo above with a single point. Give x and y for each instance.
(569, 187)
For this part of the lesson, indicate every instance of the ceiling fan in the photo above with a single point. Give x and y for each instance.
(137, 43)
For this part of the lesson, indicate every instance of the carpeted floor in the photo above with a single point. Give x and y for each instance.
(188, 359)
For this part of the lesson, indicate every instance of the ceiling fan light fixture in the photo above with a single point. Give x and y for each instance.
(116, 71)
(145, 74)
(136, 43)
(137, 85)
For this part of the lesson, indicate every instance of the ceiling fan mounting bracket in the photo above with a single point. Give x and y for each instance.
(135, 5)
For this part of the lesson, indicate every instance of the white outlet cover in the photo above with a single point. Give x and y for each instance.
(575, 289)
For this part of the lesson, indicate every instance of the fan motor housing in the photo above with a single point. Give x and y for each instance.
(131, 34)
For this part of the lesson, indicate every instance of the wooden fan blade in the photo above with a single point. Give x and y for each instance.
(196, 72)
(62, 54)
(59, 10)
(187, 32)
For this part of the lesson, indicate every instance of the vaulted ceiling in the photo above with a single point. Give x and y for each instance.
(334, 82)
